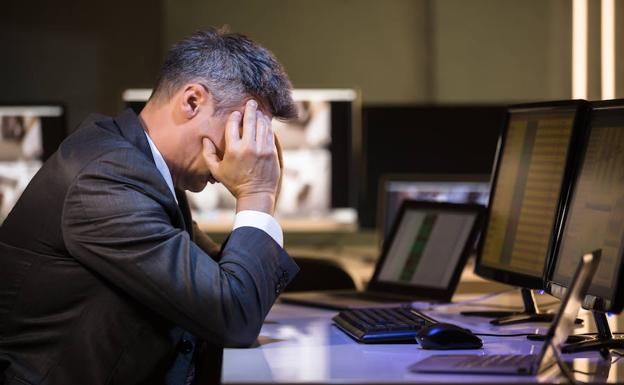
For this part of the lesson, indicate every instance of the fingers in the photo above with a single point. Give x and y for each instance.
(270, 138)
(264, 131)
(250, 121)
(278, 147)
(210, 154)
(262, 128)
(264, 134)
(232, 134)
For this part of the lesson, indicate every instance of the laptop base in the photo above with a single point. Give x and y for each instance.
(504, 364)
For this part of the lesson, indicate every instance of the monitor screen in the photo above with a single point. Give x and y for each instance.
(531, 172)
(318, 158)
(29, 134)
(595, 214)
(454, 188)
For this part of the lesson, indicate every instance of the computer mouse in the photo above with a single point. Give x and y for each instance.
(445, 336)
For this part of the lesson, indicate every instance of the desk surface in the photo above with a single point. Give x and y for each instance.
(299, 345)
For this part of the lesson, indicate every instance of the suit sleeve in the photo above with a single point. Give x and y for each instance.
(113, 224)
(206, 243)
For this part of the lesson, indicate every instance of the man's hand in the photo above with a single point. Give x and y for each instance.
(280, 159)
(250, 168)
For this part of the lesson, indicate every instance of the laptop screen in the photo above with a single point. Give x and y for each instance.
(427, 246)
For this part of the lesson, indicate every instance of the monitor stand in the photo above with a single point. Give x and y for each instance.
(530, 313)
(603, 341)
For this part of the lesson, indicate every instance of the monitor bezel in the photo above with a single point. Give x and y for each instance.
(558, 290)
(418, 177)
(443, 295)
(581, 108)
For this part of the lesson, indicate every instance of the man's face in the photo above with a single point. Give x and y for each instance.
(195, 173)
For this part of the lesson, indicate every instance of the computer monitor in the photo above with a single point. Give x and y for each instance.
(394, 189)
(319, 157)
(531, 172)
(423, 139)
(594, 219)
(29, 135)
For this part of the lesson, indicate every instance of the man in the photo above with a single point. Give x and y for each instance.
(100, 279)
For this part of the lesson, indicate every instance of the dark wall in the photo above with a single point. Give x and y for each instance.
(377, 47)
(424, 140)
(81, 53)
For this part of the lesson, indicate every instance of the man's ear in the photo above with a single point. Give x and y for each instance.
(193, 98)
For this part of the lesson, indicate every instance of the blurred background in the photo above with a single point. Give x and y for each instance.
(85, 53)
(390, 91)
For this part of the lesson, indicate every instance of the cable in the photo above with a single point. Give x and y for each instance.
(572, 335)
(486, 297)
(533, 334)
(567, 373)
(504, 335)
(582, 372)
(619, 356)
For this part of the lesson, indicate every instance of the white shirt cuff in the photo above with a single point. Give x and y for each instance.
(262, 221)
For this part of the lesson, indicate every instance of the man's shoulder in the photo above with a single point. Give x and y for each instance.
(94, 132)
(96, 119)
(99, 137)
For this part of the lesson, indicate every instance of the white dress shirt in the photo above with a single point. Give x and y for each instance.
(251, 218)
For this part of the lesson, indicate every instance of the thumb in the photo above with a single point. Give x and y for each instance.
(280, 159)
(209, 152)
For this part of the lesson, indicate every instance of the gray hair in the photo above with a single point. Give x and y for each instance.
(231, 67)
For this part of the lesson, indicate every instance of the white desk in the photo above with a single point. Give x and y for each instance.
(299, 345)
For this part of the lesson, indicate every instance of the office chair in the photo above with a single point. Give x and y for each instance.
(319, 274)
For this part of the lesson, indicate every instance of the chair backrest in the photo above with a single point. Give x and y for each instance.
(320, 274)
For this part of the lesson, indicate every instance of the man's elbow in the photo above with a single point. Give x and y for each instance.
(235, 333)
(239, 324)
(241, 338)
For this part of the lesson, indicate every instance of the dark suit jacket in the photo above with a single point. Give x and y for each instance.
(97, 267)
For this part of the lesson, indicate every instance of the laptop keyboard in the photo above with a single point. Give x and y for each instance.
(382, 325)
(496, 361)
(514, 364)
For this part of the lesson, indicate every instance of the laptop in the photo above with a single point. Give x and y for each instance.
(520, 364)
(422, 259)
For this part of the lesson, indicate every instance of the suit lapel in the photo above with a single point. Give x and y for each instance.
(185, 211)
(131, 128)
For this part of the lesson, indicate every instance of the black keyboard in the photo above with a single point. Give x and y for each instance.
(382, 325)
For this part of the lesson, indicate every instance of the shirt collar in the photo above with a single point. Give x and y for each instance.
(161, 165)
